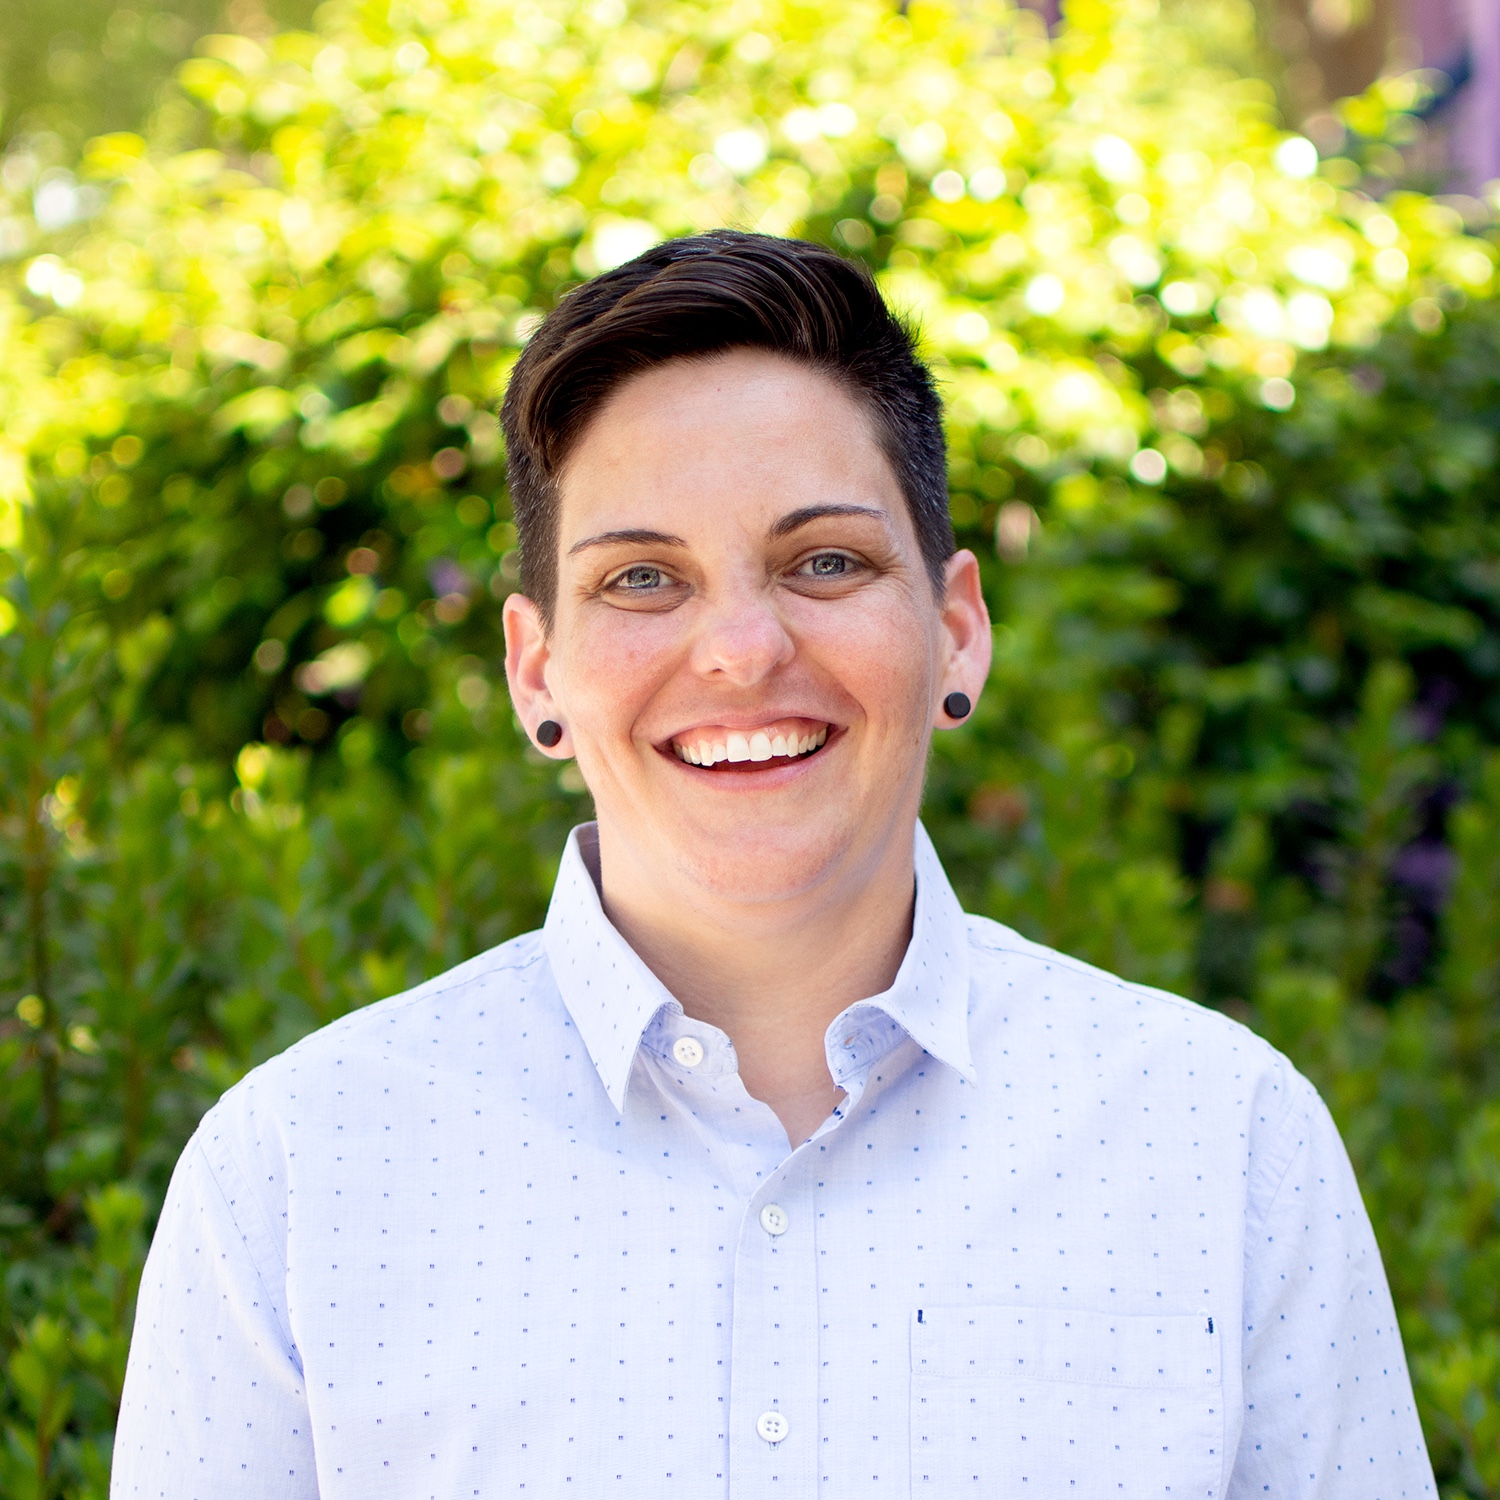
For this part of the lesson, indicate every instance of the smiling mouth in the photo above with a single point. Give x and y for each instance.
(782, 741)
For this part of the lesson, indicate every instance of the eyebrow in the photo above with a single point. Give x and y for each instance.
(793, 520)
(644, 537)
(637, 536)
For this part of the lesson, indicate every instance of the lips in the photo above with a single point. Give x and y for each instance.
(781, 740)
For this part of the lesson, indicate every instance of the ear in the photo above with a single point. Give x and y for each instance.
(966, 640)
(527, 655)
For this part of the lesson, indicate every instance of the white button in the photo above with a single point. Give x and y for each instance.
(773, 1220)
(688, 1050)
(772, 1426)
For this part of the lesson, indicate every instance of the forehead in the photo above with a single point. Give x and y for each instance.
(738, 438)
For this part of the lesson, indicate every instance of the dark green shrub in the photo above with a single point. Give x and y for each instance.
(1222, 428)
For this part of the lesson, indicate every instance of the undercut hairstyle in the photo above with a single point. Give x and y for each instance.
(696, 298)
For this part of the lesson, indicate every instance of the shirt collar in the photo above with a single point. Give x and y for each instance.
(613, 997)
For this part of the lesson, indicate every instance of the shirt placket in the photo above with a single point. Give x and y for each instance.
(773, 1435)
(772, 1419)
(775, 1355)
(777, 1350)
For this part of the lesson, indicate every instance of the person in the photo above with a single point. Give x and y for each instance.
(761, 1169)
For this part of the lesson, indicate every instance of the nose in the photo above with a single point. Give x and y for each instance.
(742, 641)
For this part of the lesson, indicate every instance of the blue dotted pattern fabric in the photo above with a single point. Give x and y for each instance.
(494, 1237)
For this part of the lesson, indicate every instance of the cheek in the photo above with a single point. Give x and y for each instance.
(882, 657)
(612, 667)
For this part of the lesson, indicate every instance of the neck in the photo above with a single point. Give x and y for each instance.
(771, 975)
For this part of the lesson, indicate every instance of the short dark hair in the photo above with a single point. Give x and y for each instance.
(704, 295)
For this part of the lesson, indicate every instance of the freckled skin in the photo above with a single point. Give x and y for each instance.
(767, 898)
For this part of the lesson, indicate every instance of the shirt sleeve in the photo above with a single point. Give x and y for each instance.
(1328, 1402)
(214, 1406)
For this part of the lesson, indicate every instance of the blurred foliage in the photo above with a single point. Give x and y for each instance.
(1223, 430)
(71, 69)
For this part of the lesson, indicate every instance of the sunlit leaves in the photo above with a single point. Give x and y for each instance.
(1220, 418)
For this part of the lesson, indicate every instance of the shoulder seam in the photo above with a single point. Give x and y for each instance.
(428, 989)
(1084, 970)
(1298, 1089)
(230, 1164)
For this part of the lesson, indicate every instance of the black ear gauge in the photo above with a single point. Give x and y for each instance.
(549, 731)
(957, 705)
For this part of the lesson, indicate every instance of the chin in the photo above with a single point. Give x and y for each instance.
(756, 863)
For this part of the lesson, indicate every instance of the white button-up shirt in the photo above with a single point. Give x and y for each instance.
(523, 1232)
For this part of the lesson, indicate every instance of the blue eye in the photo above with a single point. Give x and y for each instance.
(828, 565)
(639, 579)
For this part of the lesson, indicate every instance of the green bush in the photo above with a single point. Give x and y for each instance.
(1222, 424)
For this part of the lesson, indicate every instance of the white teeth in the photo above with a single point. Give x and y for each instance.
(758, 745)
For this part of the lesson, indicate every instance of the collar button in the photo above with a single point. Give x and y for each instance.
(688, 1051)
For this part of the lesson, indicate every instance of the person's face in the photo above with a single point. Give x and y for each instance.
(746, 656)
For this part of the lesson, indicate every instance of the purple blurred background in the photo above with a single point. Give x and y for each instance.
(1334, 48)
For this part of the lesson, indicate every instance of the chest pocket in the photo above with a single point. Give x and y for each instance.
(1035, 1401)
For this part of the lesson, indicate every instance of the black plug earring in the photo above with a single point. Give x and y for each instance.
(549, 732)
(957, 705)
